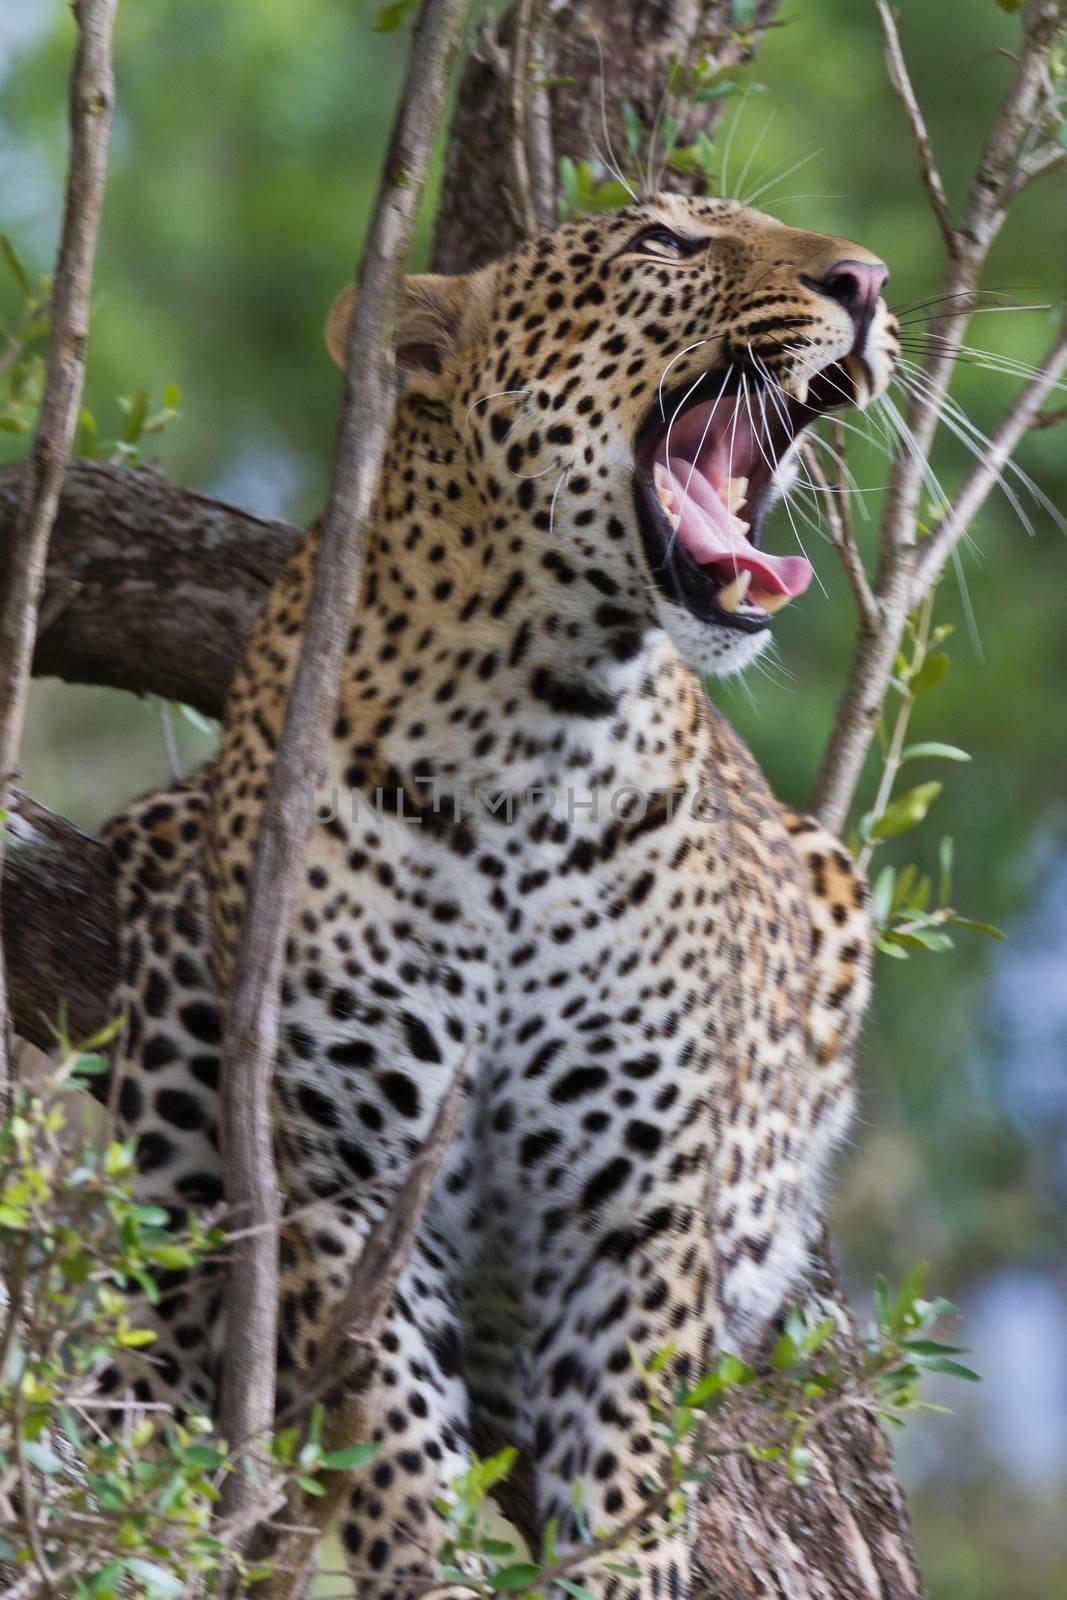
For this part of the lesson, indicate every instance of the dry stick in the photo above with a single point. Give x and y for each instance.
(895, 588)
(92, 94)
(252, 1023)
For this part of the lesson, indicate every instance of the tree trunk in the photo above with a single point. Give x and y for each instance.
(154, 589)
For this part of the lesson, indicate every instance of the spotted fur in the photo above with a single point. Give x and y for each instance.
(656, 985)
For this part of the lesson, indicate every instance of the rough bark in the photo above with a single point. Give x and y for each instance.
(846, 1537)
(613, 53)
(59, 924)
(149, 587)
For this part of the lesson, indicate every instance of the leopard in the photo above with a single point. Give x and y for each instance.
(540, 864)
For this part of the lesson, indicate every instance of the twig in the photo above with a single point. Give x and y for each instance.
(28, 1497)
(841, 533)
(22, 566)
(252, 1025)
(1049, 419)
(1020, 416)
(901, 81)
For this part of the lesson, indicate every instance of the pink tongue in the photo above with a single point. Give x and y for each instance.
(708, 533)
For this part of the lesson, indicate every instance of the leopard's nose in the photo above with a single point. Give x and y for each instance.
(855, 285)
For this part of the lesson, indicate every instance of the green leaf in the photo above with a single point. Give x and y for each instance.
(930, 674)
(744, 12)
(352, 1456)
(518, 1576)
(945, 856)
(906, 812)
(393, 16)
(943, 1364)
(882, 895)
(1011, 5)
(43, 1457)
(947, 752)
(159, 1581)
(979, 927)
(635, 129)
(575, 1589)
(310, 1485)
(18, 271)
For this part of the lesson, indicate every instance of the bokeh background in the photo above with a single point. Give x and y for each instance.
(246, 149)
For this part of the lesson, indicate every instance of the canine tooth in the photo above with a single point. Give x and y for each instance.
(860, 374)
(675, 519)
(663, 485)
(736, 490)
(739, 526)
(733, 594)
(796, 387)
(769, 602)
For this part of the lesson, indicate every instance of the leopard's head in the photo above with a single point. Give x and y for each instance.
(628, 392)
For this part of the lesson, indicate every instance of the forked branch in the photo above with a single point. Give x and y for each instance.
(907, 567)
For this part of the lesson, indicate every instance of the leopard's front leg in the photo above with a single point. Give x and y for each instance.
(630, 1288)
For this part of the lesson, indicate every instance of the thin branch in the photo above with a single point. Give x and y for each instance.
(900, 78)
(22, 566)
(1049, 419)
(1021, 415)
(836, 508)
(1047, 158)
(253, 1020)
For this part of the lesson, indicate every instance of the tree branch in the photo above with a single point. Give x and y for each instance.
(899, 77)
(252, 1022)
(895, 586)
(149, 587)
(1024, 413)
(92, 92)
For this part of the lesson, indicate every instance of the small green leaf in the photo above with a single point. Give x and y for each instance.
(18, 271)
(160, 1582)
(44, 1458)
(518, 1576)
(947, 752)
(906, 812)
(393, 16)
(978, 927)
(930, 674)
(311, 1485)
(351, 1457)
(946, 857)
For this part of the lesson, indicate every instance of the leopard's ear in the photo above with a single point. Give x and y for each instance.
(439, 316)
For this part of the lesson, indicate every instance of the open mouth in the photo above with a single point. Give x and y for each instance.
(705, 478)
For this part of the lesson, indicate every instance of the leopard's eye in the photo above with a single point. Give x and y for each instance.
(660, 242)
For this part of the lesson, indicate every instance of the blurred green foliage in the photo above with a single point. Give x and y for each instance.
(246, 149)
